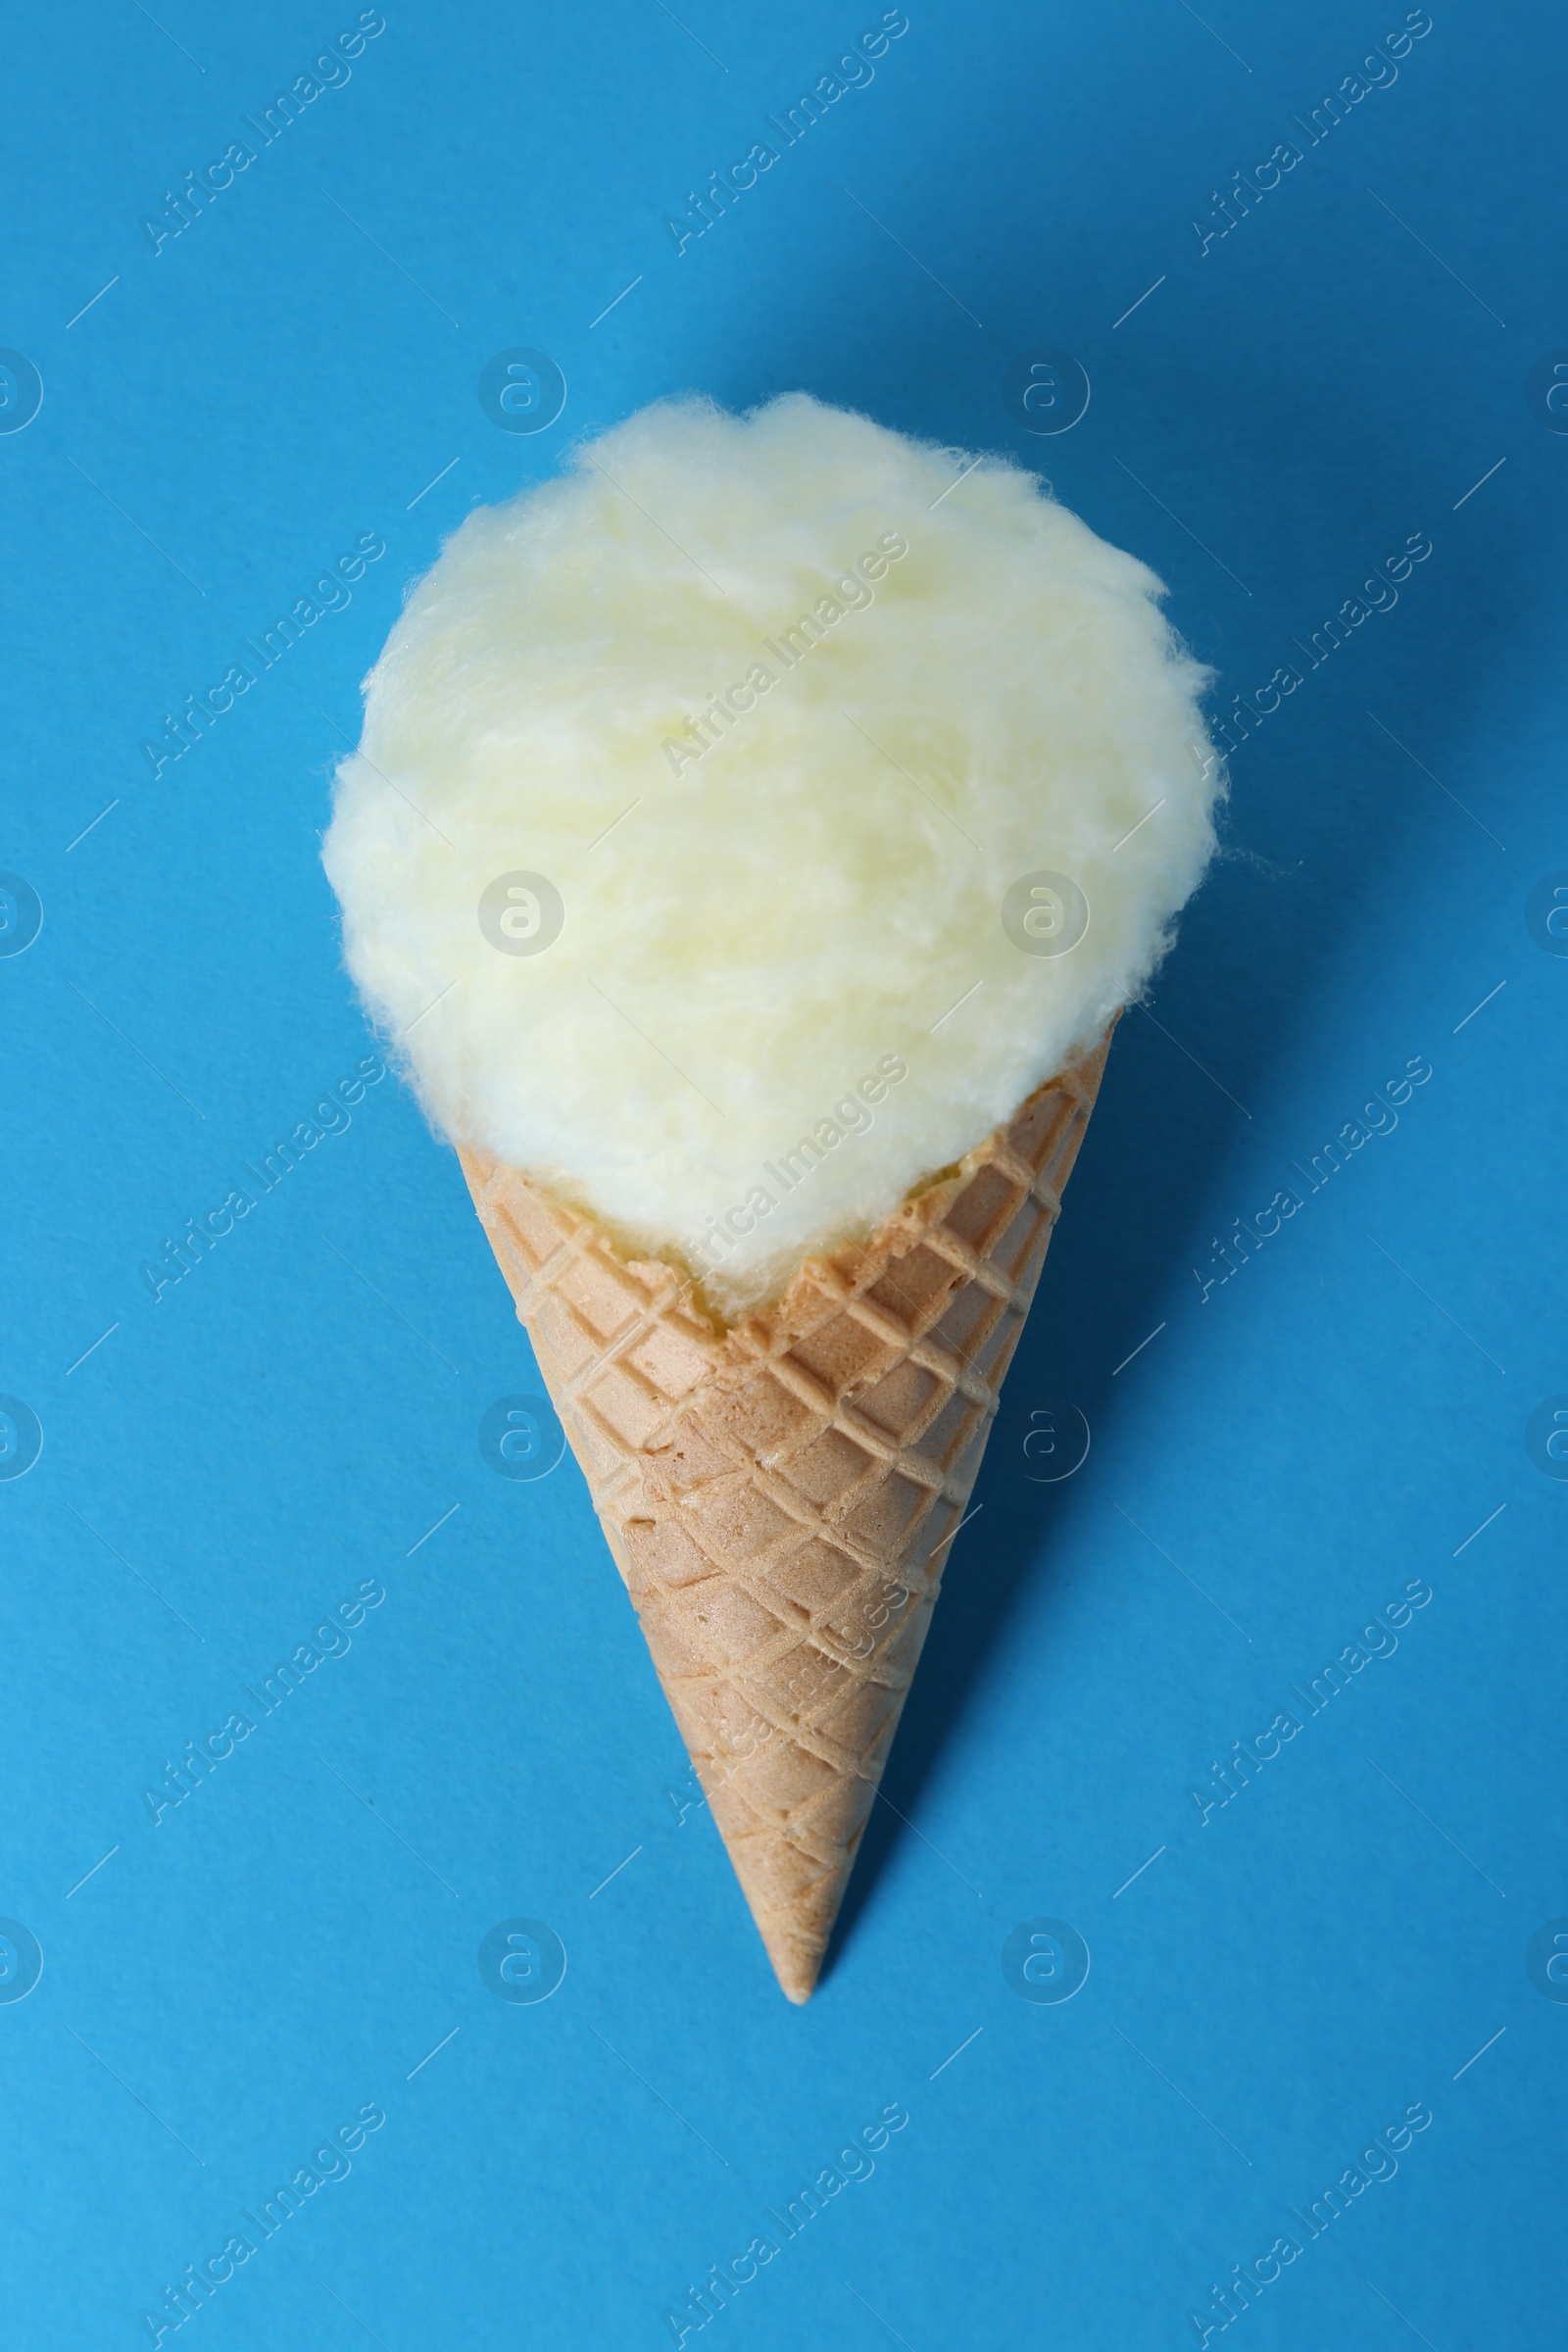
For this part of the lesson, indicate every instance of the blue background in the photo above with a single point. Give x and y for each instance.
(1276, 418)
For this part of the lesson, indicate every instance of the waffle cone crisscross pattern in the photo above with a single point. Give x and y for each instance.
(779, 1494)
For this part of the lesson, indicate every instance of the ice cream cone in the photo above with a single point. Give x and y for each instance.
(779, 1494)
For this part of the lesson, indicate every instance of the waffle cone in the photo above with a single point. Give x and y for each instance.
(779, 1494)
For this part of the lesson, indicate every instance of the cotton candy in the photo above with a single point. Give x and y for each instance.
(746, 822)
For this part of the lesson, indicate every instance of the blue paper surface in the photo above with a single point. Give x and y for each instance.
(480, 1795)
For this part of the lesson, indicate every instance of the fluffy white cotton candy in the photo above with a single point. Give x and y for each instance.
(780, 709)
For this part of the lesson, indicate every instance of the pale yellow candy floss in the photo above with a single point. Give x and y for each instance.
(749, 727)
